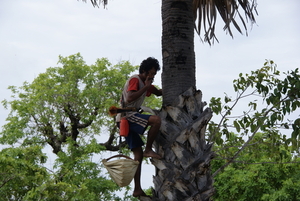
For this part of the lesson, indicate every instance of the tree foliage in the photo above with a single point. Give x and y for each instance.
(66, 108)
(271, 97)
(257, 174)
(257, 150)
(65, 102)
(21, 170)
(77, 177)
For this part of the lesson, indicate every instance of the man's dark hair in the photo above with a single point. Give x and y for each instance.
(148, 64)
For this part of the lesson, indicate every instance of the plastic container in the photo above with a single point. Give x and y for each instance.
(124, 127)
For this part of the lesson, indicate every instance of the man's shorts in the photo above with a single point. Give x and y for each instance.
(137, 126)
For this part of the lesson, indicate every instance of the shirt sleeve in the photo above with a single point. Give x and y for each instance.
(149, 91)
(134, 86)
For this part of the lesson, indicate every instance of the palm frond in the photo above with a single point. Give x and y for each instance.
(206, 11)
(96, 3)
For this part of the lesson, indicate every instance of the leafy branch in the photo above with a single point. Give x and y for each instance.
(281, 98)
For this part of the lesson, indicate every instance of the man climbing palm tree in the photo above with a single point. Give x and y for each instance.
(133, 95)
(179, 20)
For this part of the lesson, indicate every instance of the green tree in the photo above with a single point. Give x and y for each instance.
(76, 178)
(270, 97)
(21, 170)
(261, 166)
(66, 102)
(257, 173)
(65, 108)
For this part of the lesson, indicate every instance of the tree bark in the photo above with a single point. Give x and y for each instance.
(184, 172)
(178, 73)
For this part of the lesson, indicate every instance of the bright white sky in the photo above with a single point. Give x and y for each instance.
(34, 33)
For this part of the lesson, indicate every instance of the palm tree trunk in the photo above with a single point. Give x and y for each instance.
(184, 173)
(177, 49)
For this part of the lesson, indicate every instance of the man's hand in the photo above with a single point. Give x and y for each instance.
(148, 81)
(133, 95)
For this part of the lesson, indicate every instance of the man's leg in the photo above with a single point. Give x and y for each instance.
(155, 122)
(138, 156)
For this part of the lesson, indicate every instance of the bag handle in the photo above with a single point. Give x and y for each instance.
(119, 155)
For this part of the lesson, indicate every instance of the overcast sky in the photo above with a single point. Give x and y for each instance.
(33, 33)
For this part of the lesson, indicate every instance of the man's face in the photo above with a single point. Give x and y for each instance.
(151, 73)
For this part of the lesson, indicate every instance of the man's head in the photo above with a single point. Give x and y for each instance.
(148, 64)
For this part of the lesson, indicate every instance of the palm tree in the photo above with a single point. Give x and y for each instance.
(184, 173)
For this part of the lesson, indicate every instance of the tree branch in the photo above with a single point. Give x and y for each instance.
(109, 143)
(93, 114)
(7, 180)
(264, 117)
(226, 113)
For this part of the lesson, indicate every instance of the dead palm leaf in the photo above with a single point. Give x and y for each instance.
(206, 11)
(96, 3)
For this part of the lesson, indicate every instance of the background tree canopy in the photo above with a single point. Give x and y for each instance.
(65, 102)
(258, 173)
(270, 97)
(66, 108)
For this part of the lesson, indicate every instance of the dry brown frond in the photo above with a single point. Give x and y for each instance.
(206, 11)
(96, 3)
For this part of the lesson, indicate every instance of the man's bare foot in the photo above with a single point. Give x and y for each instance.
(152, 154)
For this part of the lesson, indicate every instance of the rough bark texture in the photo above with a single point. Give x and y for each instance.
(184, 172)
(177, 49)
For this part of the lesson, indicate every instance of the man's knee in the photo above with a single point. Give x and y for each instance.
(138, 153)
(154, 120)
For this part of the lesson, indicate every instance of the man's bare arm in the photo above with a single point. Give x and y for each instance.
(133, 95)
(157, 92)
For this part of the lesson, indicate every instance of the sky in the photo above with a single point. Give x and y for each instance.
(34, 33)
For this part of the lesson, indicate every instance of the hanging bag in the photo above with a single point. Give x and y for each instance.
(121, 171)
